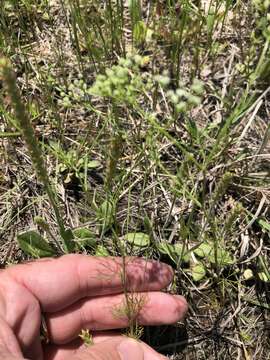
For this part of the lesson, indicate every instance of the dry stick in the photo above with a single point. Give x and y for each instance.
(252, 118)
(255, 254)
(226, 79)
(258, 211)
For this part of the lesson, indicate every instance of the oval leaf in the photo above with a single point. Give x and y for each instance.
(93, 164)
(166, 249)
(203, 250)
(32, 243)
(105, 214)
(68, 240)
(263, 277)
(223, 257)
(137, 239)
(198, 272)
(173, 251)
(83, 233)
(102, 251)
(179, 250)
(85, 237)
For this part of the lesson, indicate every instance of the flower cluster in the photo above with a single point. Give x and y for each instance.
(77, 91)
(262, 14)
(183, 98)
(122, 82)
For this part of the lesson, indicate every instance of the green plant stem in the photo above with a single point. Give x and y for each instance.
(33, 147)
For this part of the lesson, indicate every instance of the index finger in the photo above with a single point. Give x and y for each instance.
(57, 283)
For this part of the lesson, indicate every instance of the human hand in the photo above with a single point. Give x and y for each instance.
(76, 292)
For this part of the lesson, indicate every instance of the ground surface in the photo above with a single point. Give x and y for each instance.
(186, 176)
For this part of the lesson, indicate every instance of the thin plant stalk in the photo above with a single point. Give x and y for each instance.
(33, 148)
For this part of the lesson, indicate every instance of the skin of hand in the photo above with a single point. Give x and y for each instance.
(76, 292)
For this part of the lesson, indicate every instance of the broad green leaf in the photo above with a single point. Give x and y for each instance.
(42, 223)
(85, 237)
(101, 251)
(167, 249)
(204, 250)
(222, 258)
(138, 239)
(263, 277)
(32, 243)
(68, 240)
(173, 251)
(93, 164)
(198, 272)
(105, 214)
(179, 250)
(82, 233)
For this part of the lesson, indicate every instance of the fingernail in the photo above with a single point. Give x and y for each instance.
(130, 350)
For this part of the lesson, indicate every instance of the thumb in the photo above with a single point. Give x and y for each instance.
(120, 348)
(125, 349)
